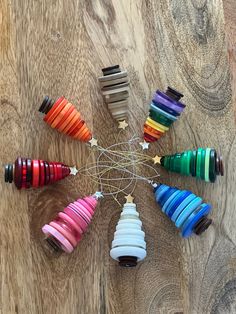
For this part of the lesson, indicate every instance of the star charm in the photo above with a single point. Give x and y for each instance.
(156, 160)
(73, 171)
(98, 195)
(129, 198)
(93, 142)
(144, 145)
(123, 125)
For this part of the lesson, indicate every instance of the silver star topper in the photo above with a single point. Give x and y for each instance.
(98, 195)
(144, 145)
(93, 142)
(73, 171)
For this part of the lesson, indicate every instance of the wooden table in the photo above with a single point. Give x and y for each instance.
(58, 48)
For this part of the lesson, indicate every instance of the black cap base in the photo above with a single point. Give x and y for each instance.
(202, 225)
(111, 70)
(46, 105)
(174, 94)
(8, 175)
(53, 245)
(127, 261)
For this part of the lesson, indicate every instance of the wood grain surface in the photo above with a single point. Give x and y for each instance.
(58, 48)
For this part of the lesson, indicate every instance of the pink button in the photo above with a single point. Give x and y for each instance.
(84, 210)
(91, 201)
(66, 246)
(78, 230)
(69, 236)
(88, 206)
(79, 220)
(80, 212)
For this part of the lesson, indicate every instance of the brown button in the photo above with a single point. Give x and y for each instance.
(221, 166)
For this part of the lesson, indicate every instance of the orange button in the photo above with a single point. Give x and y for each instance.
(59, 100)
(61, 116)
(55, 113)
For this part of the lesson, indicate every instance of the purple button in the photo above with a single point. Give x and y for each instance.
(178, 103)
(163, 99)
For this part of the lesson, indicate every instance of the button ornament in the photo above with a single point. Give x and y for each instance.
(185, 209)
(203, 163)
(66, 230)
(114, 86)
(63, 116)
(128, 246)
(165, 108)
(26, 172)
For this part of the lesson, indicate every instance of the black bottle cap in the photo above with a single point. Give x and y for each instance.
(46, 105)
(127, 261)
(202, 225)
(111, 70)
(42, 107)
(49, 105)
(174, 94)
(8, 175)
(53, 245)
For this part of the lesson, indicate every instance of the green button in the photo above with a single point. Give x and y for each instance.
(193, 163)
(202, 170)
(172, 166)
(158, 117)
(207, 164)
(189, 158)
(184, 162)
(198, 164)
(177, 163)
(167, 162)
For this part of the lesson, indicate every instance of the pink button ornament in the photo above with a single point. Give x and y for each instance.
(65, 231)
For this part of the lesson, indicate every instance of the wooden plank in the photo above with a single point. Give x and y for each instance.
(58, 48)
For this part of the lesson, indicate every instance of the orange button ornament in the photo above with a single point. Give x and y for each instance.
(63, 116)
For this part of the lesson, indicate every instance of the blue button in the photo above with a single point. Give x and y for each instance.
(166, 196)
(182, 206)
(177, 202)
(167, 203)
(188, 211)
(166, 114)
(165, 108)
(160, 191)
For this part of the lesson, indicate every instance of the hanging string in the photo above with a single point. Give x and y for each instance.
(114, 165)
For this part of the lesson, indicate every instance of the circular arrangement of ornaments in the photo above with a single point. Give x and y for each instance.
(187, 211)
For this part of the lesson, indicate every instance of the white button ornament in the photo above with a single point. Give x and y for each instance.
(128, 246)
